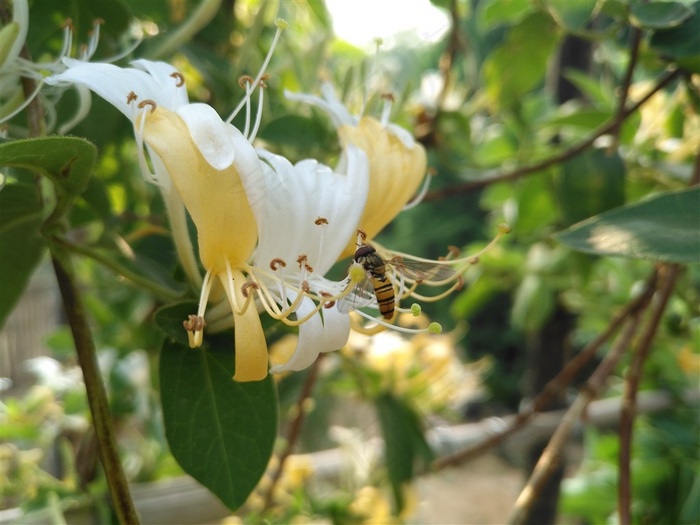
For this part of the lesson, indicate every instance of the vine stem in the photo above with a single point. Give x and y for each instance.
(555, 159)
(96, 394)
(669, 274)
(554, 386)
(552, 453)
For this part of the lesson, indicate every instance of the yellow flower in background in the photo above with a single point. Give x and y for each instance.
(424, 369)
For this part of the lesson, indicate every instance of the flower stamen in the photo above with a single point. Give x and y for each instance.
(281, 26)
(276, 263)
(148, 102)
(179, 78)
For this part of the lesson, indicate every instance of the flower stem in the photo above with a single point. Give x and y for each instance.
(161, 291)
(96, 394)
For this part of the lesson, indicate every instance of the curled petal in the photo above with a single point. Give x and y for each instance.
(318, 334)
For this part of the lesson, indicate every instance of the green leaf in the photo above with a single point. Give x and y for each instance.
(494, 12)
(21, 243)
(590, 184)
(404, 443)
(292, 130)
(681, 43)
(572, 16)
(169, 319)
(663, 228)
(518, 65)
(533, 303)
(659, 15)
(67, 161)
(221, 432)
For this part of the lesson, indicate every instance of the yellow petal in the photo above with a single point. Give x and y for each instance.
(396, 173)
(215, 199)
(251, 347)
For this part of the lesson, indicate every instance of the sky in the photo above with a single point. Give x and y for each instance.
(361, 21)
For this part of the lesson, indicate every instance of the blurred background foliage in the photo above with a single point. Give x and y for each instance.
(509, 84)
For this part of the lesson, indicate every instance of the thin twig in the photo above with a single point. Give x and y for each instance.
(35, 111)
(161, 291)
(294, 430)
(556, 159)
(553, 387)
(96, 394)
(448, 57)
(669, 275)
(635, 39)
(550, 457)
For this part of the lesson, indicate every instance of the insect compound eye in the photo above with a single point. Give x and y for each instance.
(362, 252)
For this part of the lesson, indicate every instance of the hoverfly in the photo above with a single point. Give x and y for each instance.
(378, 285)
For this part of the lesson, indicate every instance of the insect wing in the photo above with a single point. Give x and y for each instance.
(361, 295)
(423, 271)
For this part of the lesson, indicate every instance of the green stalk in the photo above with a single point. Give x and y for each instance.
(96, 394)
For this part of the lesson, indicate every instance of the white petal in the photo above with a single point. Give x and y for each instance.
(336, 329)
(297, 196)
(328, 102)
(113, 83)
(211, 134)
(171, 96)
(403, 135)
(316, 336)
(310, 344)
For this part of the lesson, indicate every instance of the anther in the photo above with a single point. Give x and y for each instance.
(98, 21)
(388, 96)
(276, 263)
(362, 235)
(460, 283)
(246, 286)
(68, 23)
(320, 220)
(308, 268)
(327, 304)
(179, 77)
(194, 323)
(473, 260)
(245, 80)
(148, 102)
(431, 171)
(301, 260)
(263, 78)
(305, 286)
(131, 97)
(453, 251)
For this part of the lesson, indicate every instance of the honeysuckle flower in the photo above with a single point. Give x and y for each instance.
(304, 220)
(398, 164)
(162, 84)
(210, 166)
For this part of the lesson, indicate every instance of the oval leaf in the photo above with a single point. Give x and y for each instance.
(664, 228)
(682, 43)
(221, 432)
(67, 161)
(572, 16)
(404, 441)
(659, 15)
(21, 243)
